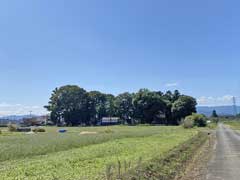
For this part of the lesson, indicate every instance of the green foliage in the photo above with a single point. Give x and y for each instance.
(39, 129)
(183, 106)
(75, 106)
(69, 103)
(149, 106)
(124, 107)
(199, 120)
(98, 100)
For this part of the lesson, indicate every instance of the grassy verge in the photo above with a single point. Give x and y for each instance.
(233, 124)
(164, 167)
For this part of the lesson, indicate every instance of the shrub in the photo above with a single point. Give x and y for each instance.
(39, 130)
(0, 132)
(188, 122)
(12, 127)
(198, 120)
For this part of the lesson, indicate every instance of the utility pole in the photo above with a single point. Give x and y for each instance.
(30, 114)
(235, 112)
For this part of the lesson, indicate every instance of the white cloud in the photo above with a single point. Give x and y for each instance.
(215, 101)
(171, 84)
(19, 109)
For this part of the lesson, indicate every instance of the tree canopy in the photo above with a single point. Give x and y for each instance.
(75, 106)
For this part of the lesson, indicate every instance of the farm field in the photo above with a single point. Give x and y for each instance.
(72, 156)
(234, 124)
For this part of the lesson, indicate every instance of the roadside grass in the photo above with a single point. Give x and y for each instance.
(234, 124)
(169, 166)
(70, 156)
(212, 125)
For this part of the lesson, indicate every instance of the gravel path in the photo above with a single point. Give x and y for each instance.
(225, 163)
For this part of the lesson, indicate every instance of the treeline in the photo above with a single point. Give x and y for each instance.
(75, 106)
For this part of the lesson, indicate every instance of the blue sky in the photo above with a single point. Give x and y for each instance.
(117, 46)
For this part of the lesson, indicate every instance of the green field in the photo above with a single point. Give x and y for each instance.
(72, 156)
(234, 124)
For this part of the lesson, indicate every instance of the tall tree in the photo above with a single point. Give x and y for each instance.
(69, 103)
(99, 100)
(182, 107)
(75, 106)
(111, 110)
(149, 106)
(124, 106)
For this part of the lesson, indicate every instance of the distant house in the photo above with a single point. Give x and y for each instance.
(106, 121)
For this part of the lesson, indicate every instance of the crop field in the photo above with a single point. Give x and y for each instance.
(234, 124)
(84, 153)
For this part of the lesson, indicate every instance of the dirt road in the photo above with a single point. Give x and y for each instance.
(225, 163)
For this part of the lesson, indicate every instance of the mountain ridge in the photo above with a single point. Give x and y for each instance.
(221, 110)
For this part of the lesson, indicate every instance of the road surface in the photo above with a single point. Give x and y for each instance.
(225, 163)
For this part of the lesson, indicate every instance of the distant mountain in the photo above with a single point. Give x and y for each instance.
(221, 110)
(17, 117)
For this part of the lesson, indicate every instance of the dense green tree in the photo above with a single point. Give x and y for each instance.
(149, 106)
(182, 107)
(75, 106)
(99, 100)
(168, 96)
(124, 106)
(69, 103)
(111, 110)
(175, 95)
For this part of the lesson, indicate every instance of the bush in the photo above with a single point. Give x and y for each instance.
(198, 120)
(12, 127)
(188, 123)
(39, 130)
(0, 132)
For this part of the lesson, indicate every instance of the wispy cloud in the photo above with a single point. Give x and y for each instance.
(19, 109)
(174, 84)
(215, 101)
